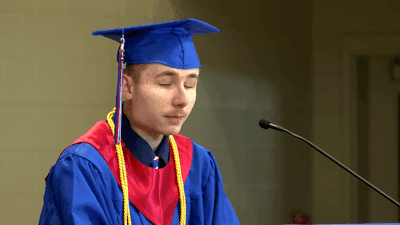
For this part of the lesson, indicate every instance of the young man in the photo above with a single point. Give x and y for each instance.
(153, 175)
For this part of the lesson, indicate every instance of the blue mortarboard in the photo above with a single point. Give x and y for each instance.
(168, 43)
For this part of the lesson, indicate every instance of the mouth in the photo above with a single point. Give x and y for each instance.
(175, 119)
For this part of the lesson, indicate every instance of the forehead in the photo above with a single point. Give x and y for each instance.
(153, 69)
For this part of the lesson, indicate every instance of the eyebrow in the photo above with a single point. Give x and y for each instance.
(172, 73)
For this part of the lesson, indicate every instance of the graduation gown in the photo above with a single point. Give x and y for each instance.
(83, 186)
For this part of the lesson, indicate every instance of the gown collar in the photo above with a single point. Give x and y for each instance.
(140, 149)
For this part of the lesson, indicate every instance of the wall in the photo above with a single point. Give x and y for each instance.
(331, 21)
(384, 141)
(260, 69)
(57, 80)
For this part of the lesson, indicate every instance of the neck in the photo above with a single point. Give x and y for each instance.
(153, 140)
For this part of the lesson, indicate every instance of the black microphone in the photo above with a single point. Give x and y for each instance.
(266, 124)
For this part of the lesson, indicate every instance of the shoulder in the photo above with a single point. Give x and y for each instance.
(90, 145)
(79, 164)
(200, 153)
(80, 150)
(79, 157)
(84, 153)
(203, 160)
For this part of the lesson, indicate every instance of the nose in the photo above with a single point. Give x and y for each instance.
(181, 98)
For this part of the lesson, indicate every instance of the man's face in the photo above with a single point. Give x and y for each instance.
(161, 100)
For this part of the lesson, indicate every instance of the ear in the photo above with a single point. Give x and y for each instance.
(127, 86)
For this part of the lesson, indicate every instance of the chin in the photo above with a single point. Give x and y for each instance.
(172, 130)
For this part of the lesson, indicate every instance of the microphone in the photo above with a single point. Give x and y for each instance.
(266, 125)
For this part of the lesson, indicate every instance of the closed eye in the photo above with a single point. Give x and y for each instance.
(168, 85)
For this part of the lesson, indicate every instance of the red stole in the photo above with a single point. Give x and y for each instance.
(154, 192)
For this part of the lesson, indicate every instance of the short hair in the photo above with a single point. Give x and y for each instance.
(132, 72)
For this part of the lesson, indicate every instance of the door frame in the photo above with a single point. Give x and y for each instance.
(353, 45)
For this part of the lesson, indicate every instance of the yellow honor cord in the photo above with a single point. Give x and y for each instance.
(122, 171)
(179, 178)
(124, 181)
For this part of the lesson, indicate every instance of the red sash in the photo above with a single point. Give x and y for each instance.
(154, 192)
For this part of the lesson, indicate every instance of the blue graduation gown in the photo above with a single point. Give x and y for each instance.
(82, 189)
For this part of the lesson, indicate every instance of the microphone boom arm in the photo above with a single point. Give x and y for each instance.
(277, 127)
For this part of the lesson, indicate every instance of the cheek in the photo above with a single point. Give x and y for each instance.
(192, 97)
(151, 101)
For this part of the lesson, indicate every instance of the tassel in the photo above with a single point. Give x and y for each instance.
(118, 111)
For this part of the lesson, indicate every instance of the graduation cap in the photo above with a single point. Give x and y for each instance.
(168, 43)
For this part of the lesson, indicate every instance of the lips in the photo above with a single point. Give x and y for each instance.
(175, 119)
(176, 116)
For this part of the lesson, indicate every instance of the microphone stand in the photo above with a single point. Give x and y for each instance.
(266, 124)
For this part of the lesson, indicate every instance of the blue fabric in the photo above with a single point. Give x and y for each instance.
(140, 149)
(168, 43)
(81, 189)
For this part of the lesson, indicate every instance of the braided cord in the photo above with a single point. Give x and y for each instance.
(124, 181)
(122, 172)
(180, 182)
